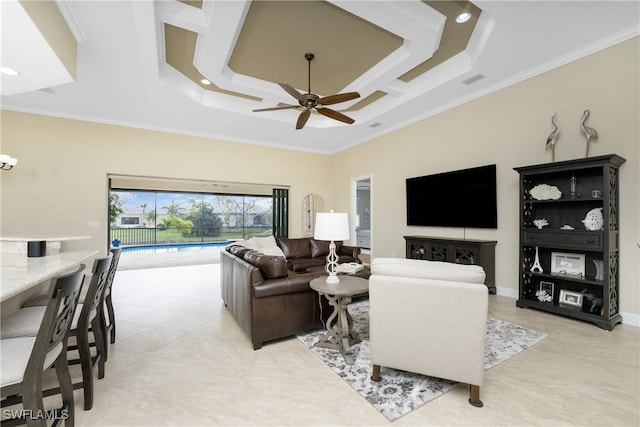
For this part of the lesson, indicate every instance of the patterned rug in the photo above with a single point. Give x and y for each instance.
(401, 392)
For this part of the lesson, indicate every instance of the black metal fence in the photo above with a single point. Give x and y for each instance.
(158, 236)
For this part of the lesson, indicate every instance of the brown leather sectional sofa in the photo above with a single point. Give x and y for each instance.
(269, 296)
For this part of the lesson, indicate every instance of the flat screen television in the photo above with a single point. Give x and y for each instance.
(461, 198)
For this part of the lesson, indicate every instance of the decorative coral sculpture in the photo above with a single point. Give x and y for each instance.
(543, 296)
(545, 192)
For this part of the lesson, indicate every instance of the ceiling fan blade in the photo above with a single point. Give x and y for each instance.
(333, 114)
(276, 108)
(302, 119)
(291, 91)
(341, 97)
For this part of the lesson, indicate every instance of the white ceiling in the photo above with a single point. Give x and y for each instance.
(122, 77)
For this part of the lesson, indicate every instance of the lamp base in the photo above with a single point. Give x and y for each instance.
(332, 264)
(333, 278)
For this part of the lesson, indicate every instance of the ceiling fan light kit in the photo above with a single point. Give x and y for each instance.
(310, 101)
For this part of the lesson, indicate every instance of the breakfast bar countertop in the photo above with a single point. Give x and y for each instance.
(19, 272)
(43, 238)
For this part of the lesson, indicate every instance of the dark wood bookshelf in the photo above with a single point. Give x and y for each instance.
(598, 174)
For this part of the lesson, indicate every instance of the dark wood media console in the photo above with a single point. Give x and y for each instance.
(460, 251)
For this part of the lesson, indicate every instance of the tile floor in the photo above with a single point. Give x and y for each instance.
(181, 359)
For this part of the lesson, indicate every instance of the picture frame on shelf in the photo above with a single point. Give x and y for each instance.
(570, 298)
(548, 287)
(568, 264)
(545, 292)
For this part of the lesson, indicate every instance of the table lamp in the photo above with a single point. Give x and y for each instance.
(332, 226)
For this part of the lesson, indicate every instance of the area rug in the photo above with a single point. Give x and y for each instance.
(400, 392)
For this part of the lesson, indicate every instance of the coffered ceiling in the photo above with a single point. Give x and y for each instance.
(142, 63)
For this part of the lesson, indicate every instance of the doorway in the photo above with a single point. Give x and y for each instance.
(361, 217)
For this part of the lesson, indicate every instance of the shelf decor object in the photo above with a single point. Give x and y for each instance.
(599, 269)
(545, 192)
(568, 264)
(578, 250)
(594, 220)
(536, 267)
(572, 299)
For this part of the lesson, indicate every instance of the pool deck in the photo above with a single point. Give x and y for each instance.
(131, 261)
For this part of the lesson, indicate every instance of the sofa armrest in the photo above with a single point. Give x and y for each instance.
(285, 285)
(352, 251)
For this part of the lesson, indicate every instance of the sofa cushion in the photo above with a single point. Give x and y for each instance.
(271, 267)
(295, 248)
(300, 265)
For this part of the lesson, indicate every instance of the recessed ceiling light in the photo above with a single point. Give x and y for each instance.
(9, 71)
(463, 17)
(205, 82)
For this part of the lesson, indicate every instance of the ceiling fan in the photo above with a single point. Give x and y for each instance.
(310, 101)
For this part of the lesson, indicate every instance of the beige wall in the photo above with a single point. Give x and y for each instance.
(510, 128)
(60, 183)
(61, 180)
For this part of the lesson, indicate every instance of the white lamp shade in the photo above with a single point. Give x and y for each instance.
(331, 226)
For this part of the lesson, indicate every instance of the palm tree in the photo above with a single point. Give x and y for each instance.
(144, 207)
(174, 208)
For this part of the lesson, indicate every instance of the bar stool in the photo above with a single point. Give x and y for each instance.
(26, 322)
(108, 318)
(25, 358)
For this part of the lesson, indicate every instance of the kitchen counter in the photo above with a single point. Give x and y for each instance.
(18, 244)
(19, 273)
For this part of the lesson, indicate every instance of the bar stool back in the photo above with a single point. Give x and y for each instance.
(108, 318)
(89, 320)
(25, 358)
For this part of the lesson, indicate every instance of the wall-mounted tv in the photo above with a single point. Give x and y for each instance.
(461, 198)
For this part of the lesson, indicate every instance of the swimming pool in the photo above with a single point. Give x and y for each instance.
(175, 247)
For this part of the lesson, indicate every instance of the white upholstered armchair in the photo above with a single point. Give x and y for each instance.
(429, 318)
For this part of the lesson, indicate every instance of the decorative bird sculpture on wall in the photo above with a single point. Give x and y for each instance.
(553, 137)
(589, 132)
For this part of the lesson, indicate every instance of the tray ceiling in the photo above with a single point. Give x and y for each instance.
(141, 63)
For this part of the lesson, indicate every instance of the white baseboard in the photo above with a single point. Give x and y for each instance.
(630, 319)
(507, 292)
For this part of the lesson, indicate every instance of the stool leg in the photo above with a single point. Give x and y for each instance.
(99, 340)
(112, 318)
(66, 387)
(82, 335)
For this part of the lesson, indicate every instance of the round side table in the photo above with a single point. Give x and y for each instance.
(339, 335)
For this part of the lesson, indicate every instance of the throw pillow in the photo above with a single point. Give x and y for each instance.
(320, 248)
(267, 245)
(295, 248)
